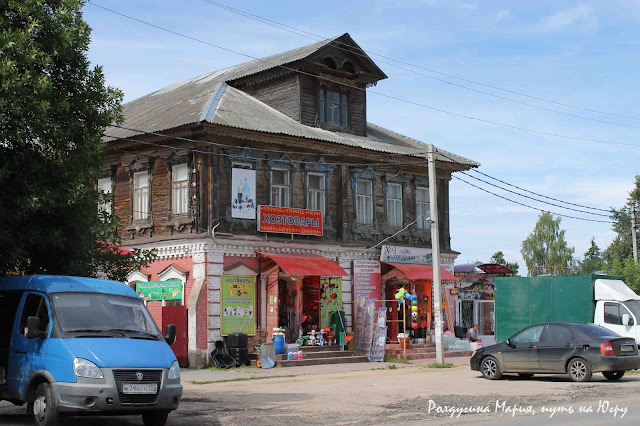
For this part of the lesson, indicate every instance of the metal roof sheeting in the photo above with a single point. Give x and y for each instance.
(208, 98)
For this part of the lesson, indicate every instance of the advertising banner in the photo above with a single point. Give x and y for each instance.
(243, 193)
(160, 290)
(286, 220)
(366, 279)
(238, 304)
(330, 299)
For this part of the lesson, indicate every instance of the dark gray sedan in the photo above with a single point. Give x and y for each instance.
(575, 349)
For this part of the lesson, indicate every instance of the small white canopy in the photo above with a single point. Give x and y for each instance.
(614, 290)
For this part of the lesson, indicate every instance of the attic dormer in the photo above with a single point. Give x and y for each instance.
(321, 85)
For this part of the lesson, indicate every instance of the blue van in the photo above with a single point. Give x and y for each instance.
(84, 345)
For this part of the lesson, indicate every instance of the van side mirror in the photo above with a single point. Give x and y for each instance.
(626, 319)
(170, 336)
(508, 342)
(32, 330)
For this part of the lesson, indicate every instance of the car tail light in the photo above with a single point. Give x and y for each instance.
(606, 349)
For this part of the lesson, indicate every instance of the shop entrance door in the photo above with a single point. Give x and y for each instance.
(178, 315)
(485, 318)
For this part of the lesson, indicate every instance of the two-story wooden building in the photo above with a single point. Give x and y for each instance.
(194, 165)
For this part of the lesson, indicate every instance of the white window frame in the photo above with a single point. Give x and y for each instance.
(281, 189)
(423, 222)
(316, 197)
(105, 185)
(364, 203)
(141, 197)
(180, 199)
(394, 207)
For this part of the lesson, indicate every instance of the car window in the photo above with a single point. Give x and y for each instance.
(595, 331)
(35, 306)
(557, 334)
(612, 314)
(530, 335)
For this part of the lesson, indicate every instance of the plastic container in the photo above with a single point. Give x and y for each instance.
(300, 354)
(404, 341)
(237, 340)
(289, 356)
(279, 343)
(295, 355)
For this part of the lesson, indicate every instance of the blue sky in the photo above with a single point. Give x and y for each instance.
(578, 53)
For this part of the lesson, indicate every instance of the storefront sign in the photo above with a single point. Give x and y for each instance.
(238, 304)
(406, 255)
(160, 290)
(366, 279)
(285, 220)
(330, 299)
(418, 255)
(243, 193)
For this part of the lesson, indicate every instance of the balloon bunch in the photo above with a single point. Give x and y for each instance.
(414, 311)
(401, 295)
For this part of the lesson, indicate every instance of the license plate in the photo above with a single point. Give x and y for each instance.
(147, 388)
(626, 348)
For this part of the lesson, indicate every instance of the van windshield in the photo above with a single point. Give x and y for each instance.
(634, 307)
(98, 312)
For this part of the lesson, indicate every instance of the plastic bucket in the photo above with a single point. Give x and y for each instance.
(279, 343)
(404, 342)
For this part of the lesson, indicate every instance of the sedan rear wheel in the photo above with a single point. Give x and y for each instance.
(491, 368)
(613, 375)
(578, 370)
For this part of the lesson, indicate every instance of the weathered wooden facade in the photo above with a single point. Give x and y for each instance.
(298, 119)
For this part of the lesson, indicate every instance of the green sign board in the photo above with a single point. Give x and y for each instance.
(330, 299)
(238, 304)
(160, 290)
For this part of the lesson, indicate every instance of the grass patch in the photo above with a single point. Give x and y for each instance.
(392, 367)
(241, 379)
(396, 360)
(439, 365)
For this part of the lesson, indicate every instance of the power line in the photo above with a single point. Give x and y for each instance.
(368, 91)
(540, 195)
(531, 207)
(535, 193)
(336, 44)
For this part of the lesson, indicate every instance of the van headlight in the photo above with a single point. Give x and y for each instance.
(85, 368)
(174, 370)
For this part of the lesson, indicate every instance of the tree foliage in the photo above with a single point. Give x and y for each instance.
(593, 260)
(546, 245)
(498, 257)
(53, 109)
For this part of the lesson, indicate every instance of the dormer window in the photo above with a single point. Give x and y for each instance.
(333, 108)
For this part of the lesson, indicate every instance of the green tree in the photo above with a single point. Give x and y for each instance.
(53, 109)
(546, 245)
(498, 257)
(621, 247)
(592, 260)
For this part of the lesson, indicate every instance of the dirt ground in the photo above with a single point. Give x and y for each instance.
(374, 393)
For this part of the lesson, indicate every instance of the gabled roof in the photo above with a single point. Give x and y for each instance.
(208, 99)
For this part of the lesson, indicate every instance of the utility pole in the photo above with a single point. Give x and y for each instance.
(634, 237)
(435, 247)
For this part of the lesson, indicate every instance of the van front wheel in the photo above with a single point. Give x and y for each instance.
(45, 407)
(155, 418)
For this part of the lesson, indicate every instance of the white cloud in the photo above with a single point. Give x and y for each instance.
(502, 14)
(580, 18)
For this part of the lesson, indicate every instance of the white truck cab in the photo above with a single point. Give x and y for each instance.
(617, 308)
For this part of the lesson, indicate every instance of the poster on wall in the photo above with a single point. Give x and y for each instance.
(366, 279)
(160, 290)
(243, 193)
(238, 305)
(330, 299)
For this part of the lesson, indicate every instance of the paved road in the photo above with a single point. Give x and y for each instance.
(377, 394)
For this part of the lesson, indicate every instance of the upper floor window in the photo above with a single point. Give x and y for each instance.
(315, 191)
(141, 195)
(180, 189)
(280, 188)
(422, 207)
(105, 186)
(394, 204)
(364, 202)
(332, 108)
